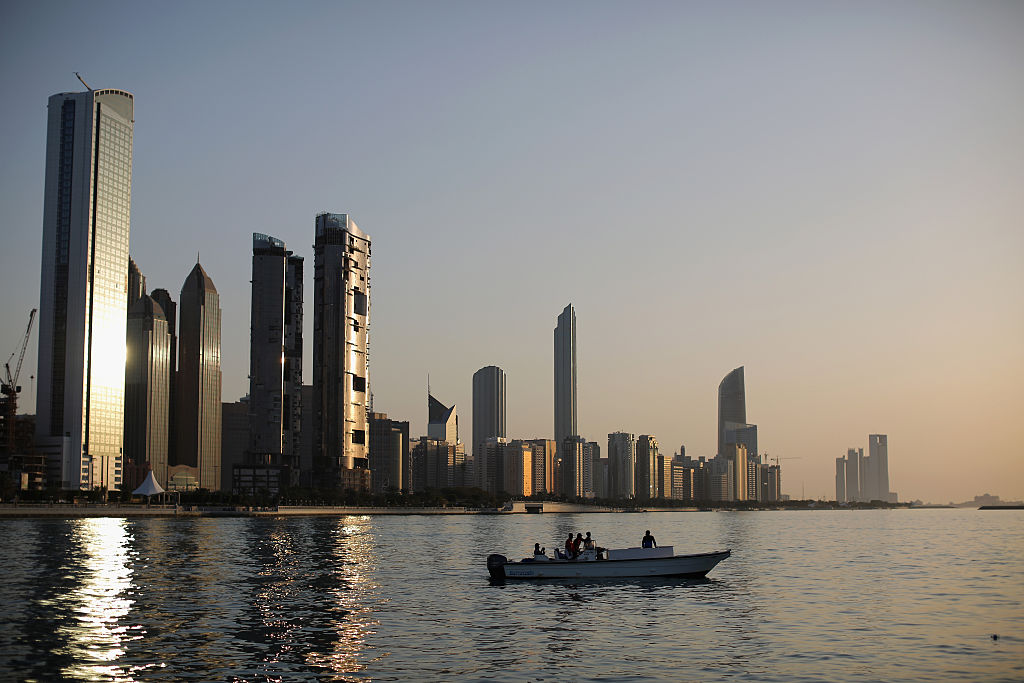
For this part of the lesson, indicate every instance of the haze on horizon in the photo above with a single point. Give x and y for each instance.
(829, 195)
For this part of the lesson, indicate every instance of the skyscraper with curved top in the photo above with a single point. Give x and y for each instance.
(488, 405)
(732, 406)
(565, 375)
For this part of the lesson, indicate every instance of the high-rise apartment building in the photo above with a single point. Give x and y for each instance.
(864, 479)
(646, 473)
(853, 466)
(878, 471)
(732, 406)
(621, 465)
(576, 467)
(147, 387)
(518, 465)
(341, 321)
(543, 461)
(199, 379)
(488, 405)
(565, 375)
(736, 471)
(841, 480)
(390, 467)
(170, 309)
(436, 464)
(275, 357)
(83, 293)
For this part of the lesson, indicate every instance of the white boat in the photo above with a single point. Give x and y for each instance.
(612, 563)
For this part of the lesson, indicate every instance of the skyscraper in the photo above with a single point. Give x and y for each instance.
(488, 404)
(861, 478)
(341, 320)
(621, 465)
(646, 475)
(199, 379)
(389, 454)
(841, 480)
(83, 287)
(136, 283)
(565, 375)
(275, 356)
(732, 406)
(442, 421)
(854, 456)
(147, 390)
(878, 456)
(170, 309)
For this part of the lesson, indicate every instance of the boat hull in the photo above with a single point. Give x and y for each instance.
(687, 566)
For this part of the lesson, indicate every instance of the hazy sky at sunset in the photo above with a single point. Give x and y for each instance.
(830, 194)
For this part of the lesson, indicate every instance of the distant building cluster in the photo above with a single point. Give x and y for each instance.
(130, 380)
(861, 479)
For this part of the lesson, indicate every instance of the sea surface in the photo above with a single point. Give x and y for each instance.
(807, 595)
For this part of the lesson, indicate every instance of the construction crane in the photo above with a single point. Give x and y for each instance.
(777, 458)
(9, 388)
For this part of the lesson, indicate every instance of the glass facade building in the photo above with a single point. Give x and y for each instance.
(565, 375)
(732, 406)
(199, 379)
(341, 320)
(275, 356)
(83, 287)
(488, 405)
(147, 388)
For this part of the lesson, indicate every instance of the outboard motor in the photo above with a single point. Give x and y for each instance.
(496, 566)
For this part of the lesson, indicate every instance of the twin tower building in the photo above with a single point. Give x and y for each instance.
(130, 381)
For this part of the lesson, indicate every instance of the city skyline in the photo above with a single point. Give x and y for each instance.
(878, 277)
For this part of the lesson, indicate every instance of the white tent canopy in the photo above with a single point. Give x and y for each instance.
(148, 487)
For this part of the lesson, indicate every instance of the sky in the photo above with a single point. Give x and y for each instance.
(828, 194)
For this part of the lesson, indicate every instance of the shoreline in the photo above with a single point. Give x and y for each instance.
(94, 510)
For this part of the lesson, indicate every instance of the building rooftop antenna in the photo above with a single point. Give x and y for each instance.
(83, 82)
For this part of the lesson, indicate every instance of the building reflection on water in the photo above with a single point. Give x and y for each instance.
(96, 635)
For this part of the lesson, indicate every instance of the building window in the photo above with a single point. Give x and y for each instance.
(358, 436)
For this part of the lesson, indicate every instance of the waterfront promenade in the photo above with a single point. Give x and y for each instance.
(69, 510)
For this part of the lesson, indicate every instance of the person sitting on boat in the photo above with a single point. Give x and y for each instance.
(588, 543)
(648, 541)
(570, 554)
(577, 545)
(537, 550)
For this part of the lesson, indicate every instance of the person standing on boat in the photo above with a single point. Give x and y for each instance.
(648, 541)
(570, 554)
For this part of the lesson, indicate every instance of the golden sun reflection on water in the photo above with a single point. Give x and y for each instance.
(96, 637)
(354, 562)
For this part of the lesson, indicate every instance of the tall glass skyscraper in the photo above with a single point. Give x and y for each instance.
(341, 321)
(275, 356)
(732, 406)
(83, 287)
(565, 375)
(147, 387)
(488, 405)
(621, 465)
(199, 379)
